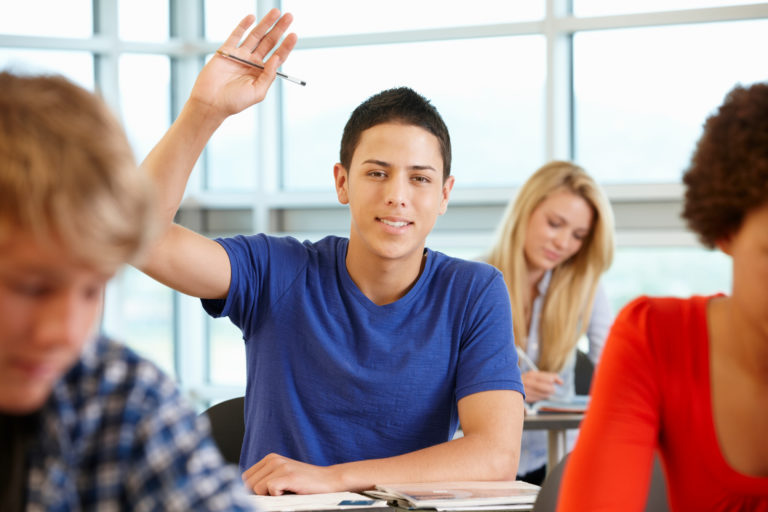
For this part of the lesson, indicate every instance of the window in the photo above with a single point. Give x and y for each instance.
(145, 99)
(139, 312)
(603, 7)
(667, 271)
(487, 102)
(48, 18)
(342, 17)
(77, 66)
(621, 87)
(143, 20)
(642, 94)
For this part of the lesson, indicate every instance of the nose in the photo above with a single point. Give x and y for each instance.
(62, 320)
(396, 191)
(562, 239)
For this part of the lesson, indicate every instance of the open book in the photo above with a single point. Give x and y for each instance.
(574, 405)
(332, 501)
(453, 496)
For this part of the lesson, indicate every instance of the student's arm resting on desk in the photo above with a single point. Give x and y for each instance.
(183, 259)
(492, 423)
(610, 466)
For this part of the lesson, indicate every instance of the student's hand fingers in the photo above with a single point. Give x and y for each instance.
(275, 475)
(256, 473)
(539, 385)
(267, 34)
(232, 42)
(282, 52)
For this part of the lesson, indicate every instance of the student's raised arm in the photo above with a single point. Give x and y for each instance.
(182, 259)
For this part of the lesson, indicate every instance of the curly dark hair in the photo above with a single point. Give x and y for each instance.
(728, 174)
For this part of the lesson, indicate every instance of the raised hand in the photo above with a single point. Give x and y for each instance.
(227, 86)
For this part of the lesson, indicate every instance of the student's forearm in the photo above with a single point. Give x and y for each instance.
(171, 161)
(465, 458)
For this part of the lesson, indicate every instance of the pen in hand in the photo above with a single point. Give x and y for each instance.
(527, 360)
(259, 66)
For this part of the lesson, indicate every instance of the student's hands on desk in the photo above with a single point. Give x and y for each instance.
(540, 385)
(275, 475)
(228, 87)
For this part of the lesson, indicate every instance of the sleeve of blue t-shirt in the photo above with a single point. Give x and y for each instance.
(488, 360)
(250, 258)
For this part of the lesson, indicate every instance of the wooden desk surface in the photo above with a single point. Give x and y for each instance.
(552, 421)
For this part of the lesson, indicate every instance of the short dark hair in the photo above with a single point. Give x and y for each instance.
(398, 105)
(728, 174)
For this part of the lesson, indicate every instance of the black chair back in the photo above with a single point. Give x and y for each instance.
(228, 427)
(546, 501)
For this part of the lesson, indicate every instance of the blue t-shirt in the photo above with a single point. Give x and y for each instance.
(333, 377)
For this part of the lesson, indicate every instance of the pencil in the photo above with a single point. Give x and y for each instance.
(527, 360)
(259, 66)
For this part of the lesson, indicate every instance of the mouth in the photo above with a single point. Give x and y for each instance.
(394, 223)
(37, 370)
(551, 255)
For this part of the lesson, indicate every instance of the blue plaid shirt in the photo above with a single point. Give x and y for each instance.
(117, 435)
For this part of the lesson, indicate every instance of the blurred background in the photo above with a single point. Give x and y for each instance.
(621, 88)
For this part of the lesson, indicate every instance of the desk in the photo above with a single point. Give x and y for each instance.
(555, 424)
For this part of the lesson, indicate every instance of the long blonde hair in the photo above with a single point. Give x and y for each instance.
(568, 303)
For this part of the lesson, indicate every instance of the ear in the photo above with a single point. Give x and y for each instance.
(341, 179)
(725, 244)
(446, 192)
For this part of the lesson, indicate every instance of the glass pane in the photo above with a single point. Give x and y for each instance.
(606, 7)
(50, 18)
(226, 355)
(231, 154)
(221, 16)
(143, 20)
(494, 110)
(139, 312)
(670, 271)
(145, 99)
(77, 66)
(641, 95)
(313, 18)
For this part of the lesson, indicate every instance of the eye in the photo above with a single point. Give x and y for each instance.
(376, 174)
(92, 292)
(32, 289)
(422, 179)
(554, 223)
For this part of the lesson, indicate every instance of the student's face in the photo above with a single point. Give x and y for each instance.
(748, 248)
(395, 190)
(49, 305)
(556, 230)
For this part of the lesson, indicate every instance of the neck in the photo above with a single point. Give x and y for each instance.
(383, 280)
(738, 338)
(534, 277)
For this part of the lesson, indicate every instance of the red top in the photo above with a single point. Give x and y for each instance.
(652, 391)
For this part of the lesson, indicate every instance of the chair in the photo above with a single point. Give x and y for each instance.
(546, 501)
(583, 373)
(228, 427)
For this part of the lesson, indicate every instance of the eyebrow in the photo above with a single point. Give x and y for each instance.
(410, 167)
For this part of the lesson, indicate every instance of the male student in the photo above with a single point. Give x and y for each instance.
(85, 424)
(362, 353)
